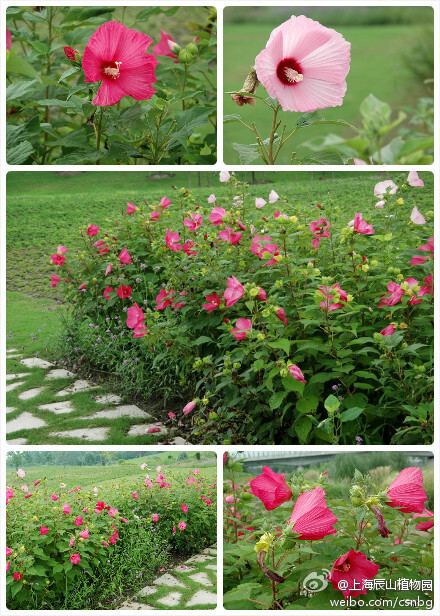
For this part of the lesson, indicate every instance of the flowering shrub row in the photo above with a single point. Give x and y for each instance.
(56, 540)
(325, 550)
(289, 322)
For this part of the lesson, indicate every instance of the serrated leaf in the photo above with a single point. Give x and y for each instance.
(326, 158)
(18, 154)
(20, 89)
(70, 71)
(227, 119)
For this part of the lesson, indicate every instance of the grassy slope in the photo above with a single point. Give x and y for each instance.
(377, 67)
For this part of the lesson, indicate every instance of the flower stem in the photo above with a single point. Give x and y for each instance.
(98, 129)
(272, 134)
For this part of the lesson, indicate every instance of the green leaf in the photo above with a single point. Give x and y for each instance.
(351, 414)
(246, 153)
(201, 340)
(119, 150)
(187, 121)
(282, 343)
(302, 428)
(291, 384)
(227, 119)
(186, 94)
(18, 154)
(18, 65)
(20, 89)
(276, 400)
(326, 158)
(58, 568)
(417, 143)
(307, 404)
(332, 403)
(70, 71)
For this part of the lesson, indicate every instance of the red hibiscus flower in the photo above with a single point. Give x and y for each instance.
(271, 488)
(354, 568)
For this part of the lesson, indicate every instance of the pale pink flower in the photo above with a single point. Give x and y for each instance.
(273, 197)
(155, 517)
(54, 497)
(211, 198)
(84, 533)
(361, 226)
(21, 473)
(116, 56)
(304, 65)
(75, 558)
(379, 205)
(224, 176)
(24, 488)
(385, 187)
(259, 203)
(61, 250)
(182, 525)
(71, 542)
(416, 217)
(172, 415)
(66, 509)
(414, 180)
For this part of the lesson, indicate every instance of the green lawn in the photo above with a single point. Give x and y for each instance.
(377, 67)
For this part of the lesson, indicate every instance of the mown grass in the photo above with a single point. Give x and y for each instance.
(377, 67)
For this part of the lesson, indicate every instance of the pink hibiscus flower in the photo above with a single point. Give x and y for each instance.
(194, 223)
(170, 240)
(182, 525)
(66, 509)
(259, 203)
(155, 517)
(165, 46)
(184, 508)
(54, 280)
(101, 246)
(304, 65)
(383, 188)
(116, 56)
(75, 558)
(361, 226)
(416, 217)
(92, 230)
(424, 525)
(124, 257)
(84, 533)
(164, 299)
(262, 295)
(389, 330)
(234, 291)
(242, 327)
(273, 197)
(354, 568)
(224, 176)
(406, 492)
(296, 373)
(57, 259)
(70, 53)
(78, 521)
(310, 516)
(217, 215)
(271, 488)
(131, 209)
(281, 315)
(188, 407)
(43, 530)
(335, 297)
(396, 292)
(165, 202)
(123, 291)
(428, 247)
(414, 180)
(8, 40)
(135, 320)
(227, 235)
(107, 292)
(213, 302)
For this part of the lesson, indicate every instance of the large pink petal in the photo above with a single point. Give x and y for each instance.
(330, 62)
(306, 501)
(109, 93)
(412, 474)
(301, 36)
(316, 523)
(136, 82)
(311, 94)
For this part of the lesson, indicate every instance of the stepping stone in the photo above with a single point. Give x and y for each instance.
(132, 605)
(14, 356)
(184, 569)
(122, 411)
(11, 350)
(17, 441)
(12, 386)
(25, 421)
(36, 362)
(58, 373)
(213, 567)
(171, 600)
(108, 399)
(31, 393)
(200, 558)
(88, 434)
(10, 409)
(178, 440)
(210, 551)
(17, 375)
(201, 578)
(59, 408)
(142, 429)
(203, 597)
(168, 580)
(148, 590)
(77, 386)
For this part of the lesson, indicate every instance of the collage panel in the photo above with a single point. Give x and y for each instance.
(111, 85)
(328, 85)
(320, 530)
(139, 532)
(249, 309)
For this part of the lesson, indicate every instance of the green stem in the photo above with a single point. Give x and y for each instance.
(272, 134)
(98, 129)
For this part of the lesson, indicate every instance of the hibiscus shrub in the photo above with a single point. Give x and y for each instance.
(296, 545)
(283, 322)
(109, 85)
(73, 547)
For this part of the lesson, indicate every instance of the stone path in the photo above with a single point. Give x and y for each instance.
(43, 397)
(191, 585)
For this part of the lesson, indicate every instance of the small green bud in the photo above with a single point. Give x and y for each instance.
(185, 56)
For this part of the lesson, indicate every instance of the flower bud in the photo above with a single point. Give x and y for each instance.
(192, 48)
(185, 56)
